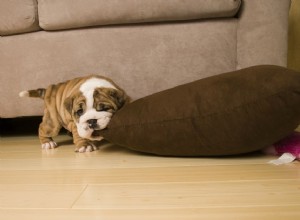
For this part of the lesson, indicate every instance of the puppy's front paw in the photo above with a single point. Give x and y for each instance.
(49, 145)
(89, 148)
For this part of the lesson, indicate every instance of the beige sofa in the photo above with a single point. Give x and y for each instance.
(145, 46)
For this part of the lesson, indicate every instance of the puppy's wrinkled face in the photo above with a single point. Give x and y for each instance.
(93, 108)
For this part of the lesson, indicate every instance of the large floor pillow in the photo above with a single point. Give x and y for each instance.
(231, 113)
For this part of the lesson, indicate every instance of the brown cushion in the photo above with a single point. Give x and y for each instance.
(18, 16)
(231, 113)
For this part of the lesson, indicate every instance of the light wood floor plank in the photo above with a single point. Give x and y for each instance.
(39, 196)
(190, 195)
(154, 174)
(120, 160)
(236, 213)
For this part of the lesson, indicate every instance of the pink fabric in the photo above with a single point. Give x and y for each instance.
(290, 144)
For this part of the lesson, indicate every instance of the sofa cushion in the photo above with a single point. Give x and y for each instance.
(231, 113)
(18, 16)
(66, 14)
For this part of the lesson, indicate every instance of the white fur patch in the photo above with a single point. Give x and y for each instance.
(103, 118)
(24, 94)
(89, 86)
(49, 145)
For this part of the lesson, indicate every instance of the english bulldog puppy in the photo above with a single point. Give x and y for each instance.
(83, 106)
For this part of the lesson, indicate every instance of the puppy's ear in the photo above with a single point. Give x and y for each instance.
(119, 96)
(68, 104)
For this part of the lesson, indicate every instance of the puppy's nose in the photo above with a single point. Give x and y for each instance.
(92, 123)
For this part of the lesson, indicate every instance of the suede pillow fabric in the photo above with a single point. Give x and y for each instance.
(231, 113)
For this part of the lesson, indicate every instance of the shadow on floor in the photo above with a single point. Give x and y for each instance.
(21, 126)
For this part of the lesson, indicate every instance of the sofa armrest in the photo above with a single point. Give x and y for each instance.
(262, 33)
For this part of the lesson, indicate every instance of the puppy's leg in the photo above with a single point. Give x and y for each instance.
(82, 145)
(49, 128)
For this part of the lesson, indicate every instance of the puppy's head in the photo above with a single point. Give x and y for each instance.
(92, 108)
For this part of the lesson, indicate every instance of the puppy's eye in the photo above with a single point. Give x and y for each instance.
(105, 108)
(79, 112)
(102, 107)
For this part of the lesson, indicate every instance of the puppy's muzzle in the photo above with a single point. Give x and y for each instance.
(92, 121)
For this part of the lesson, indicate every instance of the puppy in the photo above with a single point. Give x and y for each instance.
(83, 106)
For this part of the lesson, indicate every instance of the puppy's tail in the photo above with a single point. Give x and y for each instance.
(37, 93)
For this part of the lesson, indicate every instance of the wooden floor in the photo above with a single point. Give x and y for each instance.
(114, 183)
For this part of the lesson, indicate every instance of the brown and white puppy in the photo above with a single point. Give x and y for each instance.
(83, 106)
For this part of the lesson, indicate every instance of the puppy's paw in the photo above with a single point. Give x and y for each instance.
(49, 145)
(88, 148)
